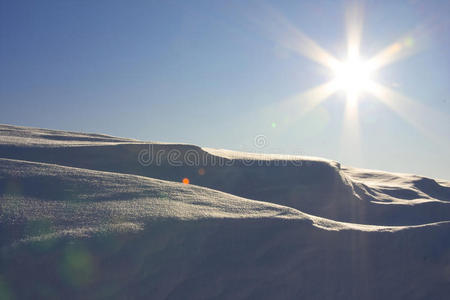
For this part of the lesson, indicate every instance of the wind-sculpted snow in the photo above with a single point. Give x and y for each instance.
(315, 186)
(91, 216)
(24, 136)
(77, 201)
(69, 200)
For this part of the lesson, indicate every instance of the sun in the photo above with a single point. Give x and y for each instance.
(353, 77)
(356, 75)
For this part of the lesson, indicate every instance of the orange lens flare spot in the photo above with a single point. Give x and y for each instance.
(185, 180)
(201, 171)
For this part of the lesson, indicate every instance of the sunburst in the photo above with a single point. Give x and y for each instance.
(354, 76)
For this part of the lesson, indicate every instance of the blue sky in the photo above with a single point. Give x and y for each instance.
(209, 73)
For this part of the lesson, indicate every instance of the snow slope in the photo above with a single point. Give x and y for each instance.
(94, 216)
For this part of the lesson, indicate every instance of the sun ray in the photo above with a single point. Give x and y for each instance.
(402, 48)
(288, 36)
(350, 148)
(396, 51)
(354, 16)
(290, 110)
(302, 103)
(413, 112)
(352, 77)
(305, 46)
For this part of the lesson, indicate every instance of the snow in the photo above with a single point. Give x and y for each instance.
(83, 215)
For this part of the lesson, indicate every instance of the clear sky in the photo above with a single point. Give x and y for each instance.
(219, 74)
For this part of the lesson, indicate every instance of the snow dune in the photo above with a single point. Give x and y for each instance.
(95, 216)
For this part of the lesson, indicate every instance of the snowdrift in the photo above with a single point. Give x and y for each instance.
(95, 216)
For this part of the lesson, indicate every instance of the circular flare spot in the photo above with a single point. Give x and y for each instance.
(185, 180)
(201, 171)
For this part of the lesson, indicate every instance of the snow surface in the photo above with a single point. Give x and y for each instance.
(95, 216)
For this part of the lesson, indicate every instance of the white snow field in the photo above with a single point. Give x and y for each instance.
(89, 216)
